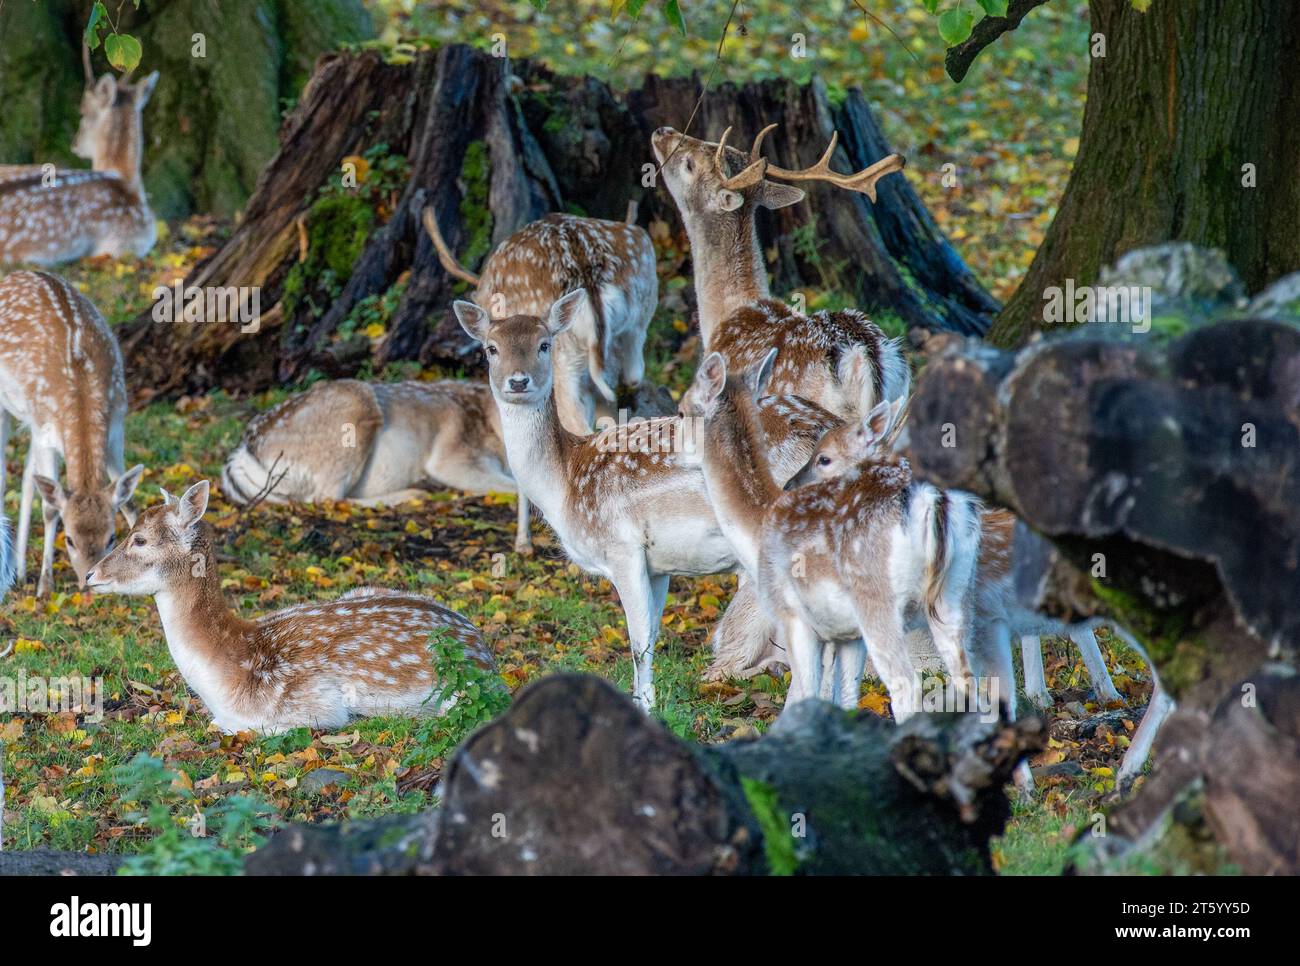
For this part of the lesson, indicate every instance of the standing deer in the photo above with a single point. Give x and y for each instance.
(628, 503)
(61, 376)
(612, 261)
(75, 214)
(839, 360)
(315, 665)
(374, 443)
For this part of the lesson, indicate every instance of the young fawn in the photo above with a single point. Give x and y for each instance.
(374, 443)
(314, 665)
(628, 503)
(61, 376)
(839, 563)
(839, 360)
(613, 261)
(80, 213)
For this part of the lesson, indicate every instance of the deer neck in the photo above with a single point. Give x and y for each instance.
(206, 639)
(120, 152)
(736, 471)
(536, 448)
(86, 468)
(729, 272)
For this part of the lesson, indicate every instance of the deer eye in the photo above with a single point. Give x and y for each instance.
(138, 541)
(690, 166)
(72, 544)
(823, 461)
(492, 350)
(544, 347)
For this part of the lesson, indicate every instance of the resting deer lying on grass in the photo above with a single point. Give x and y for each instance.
(314, 665)
(378, 444)
(613, 261)
(61, 376)
(99, 212)
(840, 360)
(629, 503)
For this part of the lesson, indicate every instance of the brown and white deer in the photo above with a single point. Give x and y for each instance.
(61, 376)
(613, 261)
(378, 444)
(628, 503)
(49, 218)
(839, 564)
(840, 360)
(315, 665)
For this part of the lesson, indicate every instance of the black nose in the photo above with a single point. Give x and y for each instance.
(518, 385)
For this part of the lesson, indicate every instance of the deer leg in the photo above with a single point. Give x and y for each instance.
(25, 510)
(4, 449)
(46, 464)
(949, 631)
(1031, 656)
(1139, 748)
(805, 656)
(523, 529)
(1086, 641)
(851, 663)
(396, 498)
(639, 593)
(882, 629)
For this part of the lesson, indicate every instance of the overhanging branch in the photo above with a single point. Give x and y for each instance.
(959, 58)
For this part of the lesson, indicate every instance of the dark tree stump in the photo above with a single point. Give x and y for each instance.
(552, 143)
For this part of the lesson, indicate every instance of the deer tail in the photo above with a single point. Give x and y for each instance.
(596, 350)
(448, 260)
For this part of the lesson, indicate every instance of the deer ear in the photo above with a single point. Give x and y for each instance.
(713, 376)
(106, 89)
(759, 378)
(777, 195)
(193, 504)
(168, 499)
(878, 420)
(565, 311)
(144, 89)
(51, 493)
(126, 484)
(728, 200)
(472, 319)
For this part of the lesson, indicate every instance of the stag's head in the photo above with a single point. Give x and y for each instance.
(162, 547)
(111, 128)
(520, 349)
(712, 182)
(88, 516)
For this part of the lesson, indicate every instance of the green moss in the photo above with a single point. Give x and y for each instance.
(778, 844)
(1181, 656)
(475, 215)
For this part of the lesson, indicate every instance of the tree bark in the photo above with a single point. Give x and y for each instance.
(491, 147)
(1188, 94)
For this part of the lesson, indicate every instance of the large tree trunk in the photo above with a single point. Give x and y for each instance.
(1188, 94)
(492, 146)
(211, 125)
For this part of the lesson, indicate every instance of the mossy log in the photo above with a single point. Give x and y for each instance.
(491, 146)
(574, 779)
(1168, 480)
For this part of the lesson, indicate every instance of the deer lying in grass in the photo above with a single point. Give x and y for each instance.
(61, 376)
(998, 615)
(839, 360)
(378, 444)
(840, 562)
(81, 213)
(614, 262)
(314, 665)
(628, 503)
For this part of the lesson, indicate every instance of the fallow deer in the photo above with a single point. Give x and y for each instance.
(314, 665)
(628, 503)
(613, 261)
(61, 376)
(840, 360)
(378, 444)
(49, 220)
(839, 563)
(998, 615)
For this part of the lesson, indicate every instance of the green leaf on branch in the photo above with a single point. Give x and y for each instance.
(123, 51)
(931, 6)
(673, 14)
(993, 8)
(955, 26)
(634, 7)
(98, 18)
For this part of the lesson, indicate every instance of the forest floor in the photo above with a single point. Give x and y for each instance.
(64, 784)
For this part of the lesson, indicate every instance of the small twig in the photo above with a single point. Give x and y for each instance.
(272, 481)
(867, 13)
(958, 59)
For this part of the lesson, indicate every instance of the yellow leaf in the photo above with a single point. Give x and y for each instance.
(26, 646)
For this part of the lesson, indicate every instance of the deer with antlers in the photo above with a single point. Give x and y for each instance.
(315, 665)
(612, 261)
(374, 443)
(628, 503)
(52, 217)
(839, 360)
(61, 376)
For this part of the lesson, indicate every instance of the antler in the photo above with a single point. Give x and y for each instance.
(753, 172)
(86, 66)
(864, 181)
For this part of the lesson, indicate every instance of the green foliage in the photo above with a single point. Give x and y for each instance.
(186, 840)
(475, 215)
(480, 696)
(955, 26)
(993, 8)
(122, 50)
(778, 843)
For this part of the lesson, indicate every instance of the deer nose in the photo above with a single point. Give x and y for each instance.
(519, 383)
